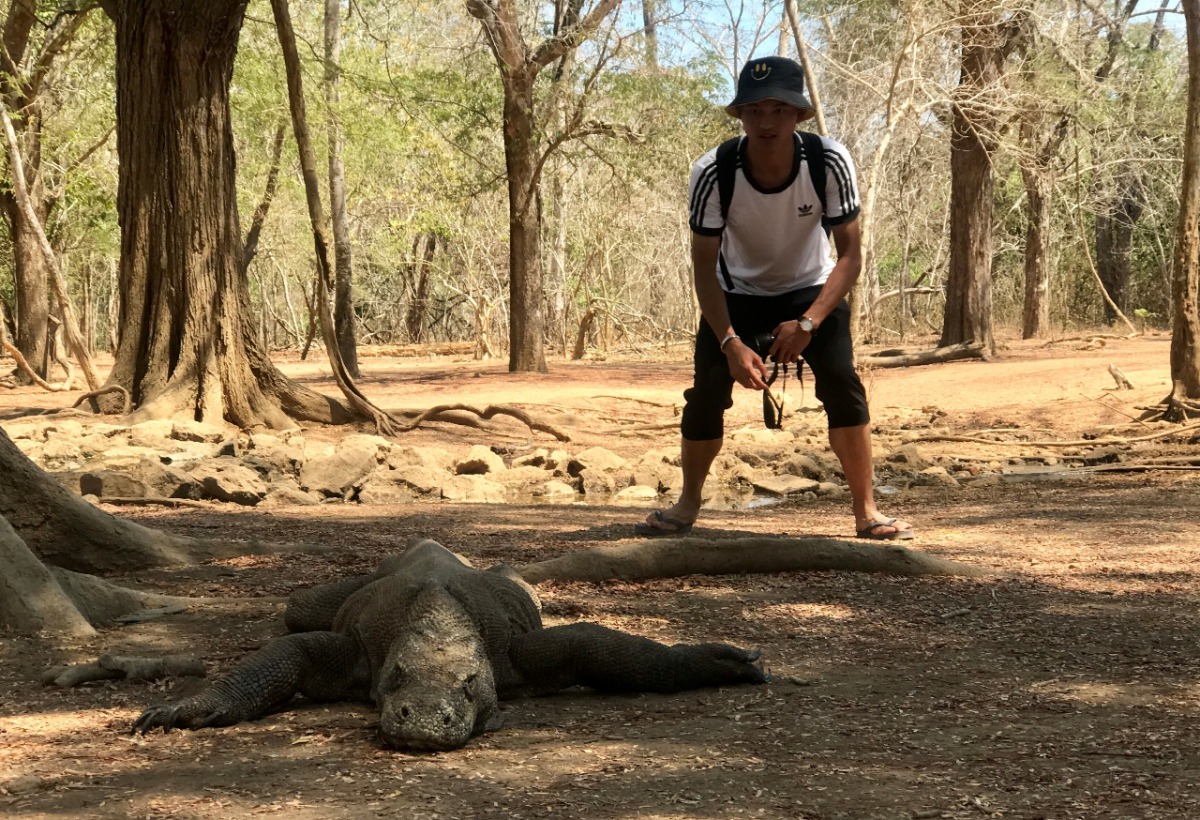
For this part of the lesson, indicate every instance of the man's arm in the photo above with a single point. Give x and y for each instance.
(745, 365)
(847, 238)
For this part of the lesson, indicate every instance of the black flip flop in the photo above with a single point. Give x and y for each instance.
(648, 530)
(871, 531)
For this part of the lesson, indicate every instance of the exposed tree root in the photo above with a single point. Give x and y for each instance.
(674, 557)
(1173, 409)
(126, 404)
(442, 412)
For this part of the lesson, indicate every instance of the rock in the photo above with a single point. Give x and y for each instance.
(386, 487)
(830, 490)
(186, 430)
(638, 492)
(342, 472)
(149, 433)
(538, 458)
(597, 482)
(662, 477)
(479, 460)
(474, 489)
(65, 428)
(421, 479)
(112, 483)
(757, 435)
(804, 466)
(667, 455)
(225, 479)
(287, 494)
(367, 440)
(520, 479)
(936, 476)
(61, 449)
(786, 485)
(555, 489)
(18, 431)
(594, 458)
(429, 457)
(910, 456)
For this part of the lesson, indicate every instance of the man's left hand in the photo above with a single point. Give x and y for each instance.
(790, 342)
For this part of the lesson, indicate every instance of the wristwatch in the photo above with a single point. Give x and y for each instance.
(807, 324)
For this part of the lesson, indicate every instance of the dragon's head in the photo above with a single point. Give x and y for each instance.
(436, 688)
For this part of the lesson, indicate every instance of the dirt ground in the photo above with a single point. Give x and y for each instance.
(1065, 686)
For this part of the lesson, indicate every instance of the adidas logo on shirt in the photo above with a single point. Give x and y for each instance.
(805, 210)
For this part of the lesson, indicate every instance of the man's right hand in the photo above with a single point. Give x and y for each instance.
(747, 367)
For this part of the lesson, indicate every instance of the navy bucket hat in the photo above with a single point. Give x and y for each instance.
(772, 78)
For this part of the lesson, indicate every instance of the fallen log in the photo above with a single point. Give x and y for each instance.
(966, 350)
(675, 557)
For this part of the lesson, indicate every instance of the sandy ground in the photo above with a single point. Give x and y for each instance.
(1067, 685)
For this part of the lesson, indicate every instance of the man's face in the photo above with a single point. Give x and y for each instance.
(769, 119)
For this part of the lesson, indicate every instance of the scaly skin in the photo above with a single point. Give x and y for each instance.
(435, 644)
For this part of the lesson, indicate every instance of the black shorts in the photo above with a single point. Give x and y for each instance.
(830, 357)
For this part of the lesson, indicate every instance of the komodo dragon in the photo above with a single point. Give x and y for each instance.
(435, 643)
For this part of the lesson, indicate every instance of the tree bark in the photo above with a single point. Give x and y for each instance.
(21, 94)
(1184, 400)
(519, 67)
(343, 296)
(186, 346)
(1114, 243)
(968, 315)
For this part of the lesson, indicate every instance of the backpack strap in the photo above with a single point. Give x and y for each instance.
(726, 163)
(814, 155)
(726, 172)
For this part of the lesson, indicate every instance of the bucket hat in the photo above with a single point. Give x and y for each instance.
(772, 78)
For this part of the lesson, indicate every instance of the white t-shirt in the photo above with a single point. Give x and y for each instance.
(773, 241)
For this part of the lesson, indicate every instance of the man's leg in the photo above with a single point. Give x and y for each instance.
(696, 459)
(852, 446)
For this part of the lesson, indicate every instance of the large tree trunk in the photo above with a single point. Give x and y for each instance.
(526, 333)
(968, 315)
(184, 348)
(1184, 400)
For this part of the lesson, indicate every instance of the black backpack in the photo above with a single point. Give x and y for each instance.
(814, 155)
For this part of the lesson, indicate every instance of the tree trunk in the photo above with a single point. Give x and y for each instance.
(416, 317)
(343, 297)
(30, 281)
(1036, 313)
(968, 314)
(1037, 174)
(1114, 244)
(526, 333)
(21, 92)
(185, 347)
(1185, 288)
(519, 67)
(650, 33)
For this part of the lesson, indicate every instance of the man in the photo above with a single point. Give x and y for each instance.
(765, 267)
